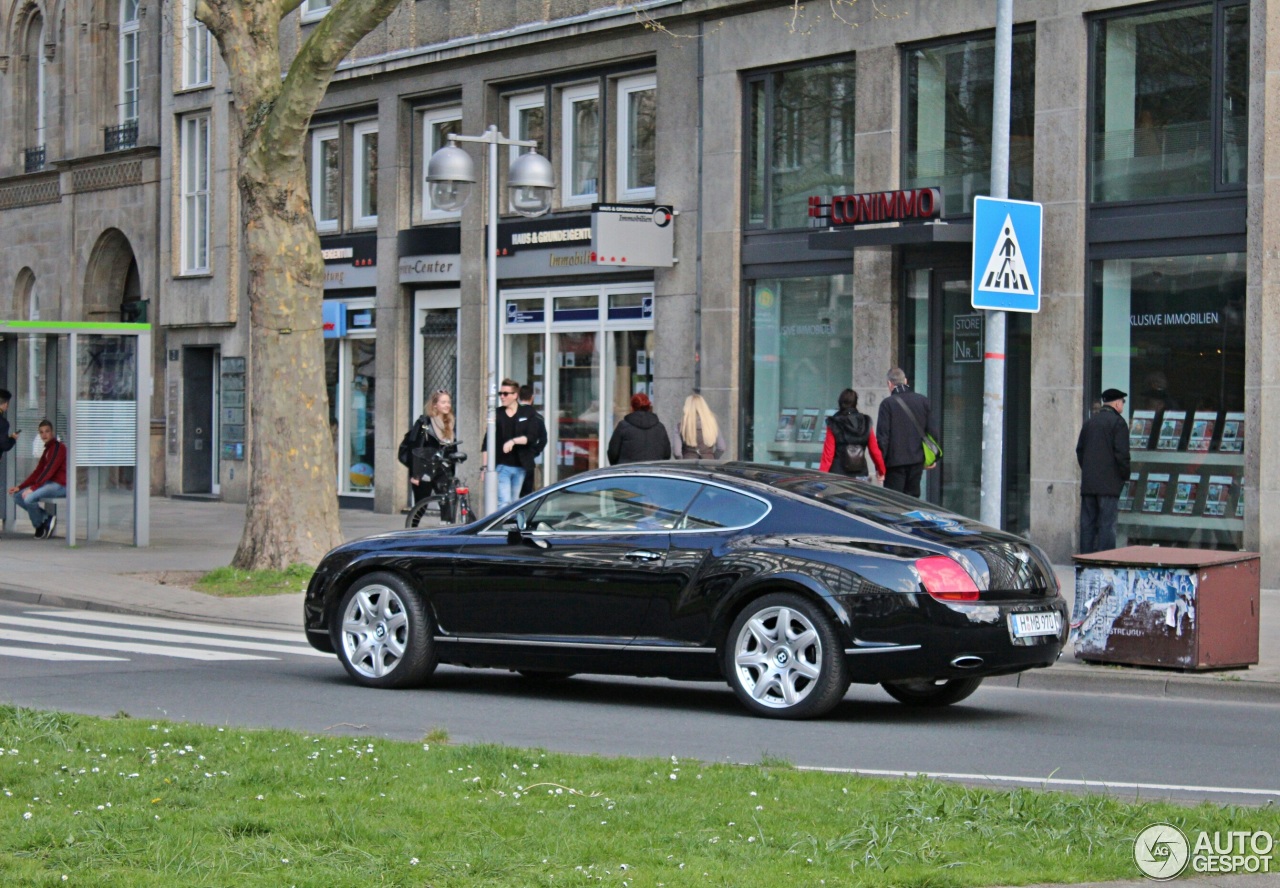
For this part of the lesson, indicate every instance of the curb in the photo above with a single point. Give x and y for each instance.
(24, 595)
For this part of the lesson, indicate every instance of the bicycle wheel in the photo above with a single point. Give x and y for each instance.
(418, 512)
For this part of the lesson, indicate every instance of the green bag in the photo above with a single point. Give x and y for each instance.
(932, 452)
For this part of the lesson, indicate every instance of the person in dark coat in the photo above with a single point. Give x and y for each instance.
(537, 439)
(640, 436)
(903, 420)
(849, 427)
(1103, 453)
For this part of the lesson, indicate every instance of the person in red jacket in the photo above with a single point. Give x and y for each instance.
(850, 447)
(48, 480)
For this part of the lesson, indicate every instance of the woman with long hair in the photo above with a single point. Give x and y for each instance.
(850, 447)
(697, 435)
(431, 431)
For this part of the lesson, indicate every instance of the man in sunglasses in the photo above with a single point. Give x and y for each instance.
(515, 431)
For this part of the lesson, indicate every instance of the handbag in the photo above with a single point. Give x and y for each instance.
(932, 450)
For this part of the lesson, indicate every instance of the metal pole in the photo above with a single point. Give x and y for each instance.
(491, 269)
(992, 511)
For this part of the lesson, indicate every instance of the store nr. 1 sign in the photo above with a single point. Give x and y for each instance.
(966, 342)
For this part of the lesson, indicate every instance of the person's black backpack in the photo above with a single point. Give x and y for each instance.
(852, 432)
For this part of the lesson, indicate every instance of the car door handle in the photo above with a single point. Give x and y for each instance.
(643, 555)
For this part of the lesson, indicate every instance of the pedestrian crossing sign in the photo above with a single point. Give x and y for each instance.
(1006, 254)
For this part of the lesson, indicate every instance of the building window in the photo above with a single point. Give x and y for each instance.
(1170, 332)
(34, 153)
(527, 121)
(580, 172)
(1170, 97)
(196, 50)
(802, 357)
(949, 93)
(637, 131)
(364, 192)
(437, 125)
(130, 41)
(800, 123)
(326, 179)
(195, 194)
(314, 10)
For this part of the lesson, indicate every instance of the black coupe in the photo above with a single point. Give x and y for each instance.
(788, 583)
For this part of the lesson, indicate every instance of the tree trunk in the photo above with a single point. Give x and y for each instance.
(292, 515)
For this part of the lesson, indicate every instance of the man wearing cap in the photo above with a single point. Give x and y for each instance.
(1103, 454)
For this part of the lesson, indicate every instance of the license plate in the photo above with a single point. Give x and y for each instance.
(1027, 625)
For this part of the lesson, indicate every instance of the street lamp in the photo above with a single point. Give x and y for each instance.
(450, 177)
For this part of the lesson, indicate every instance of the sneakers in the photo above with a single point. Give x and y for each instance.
(40, 531)
(44, 531)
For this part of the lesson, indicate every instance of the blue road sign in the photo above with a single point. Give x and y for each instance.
(1006, 254)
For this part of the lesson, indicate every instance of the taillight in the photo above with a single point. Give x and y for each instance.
(946, 580)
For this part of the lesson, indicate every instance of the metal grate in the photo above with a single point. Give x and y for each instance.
(440, 352)
(33, 159)
(107, 433)
(120, 138)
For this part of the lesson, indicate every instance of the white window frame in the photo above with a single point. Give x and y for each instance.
(516, 105)
(196, 50)
(314, 10)
(430, 119)
(568, 98)
(358, 184)
(196, 194)
(318, 138)
(627, 87)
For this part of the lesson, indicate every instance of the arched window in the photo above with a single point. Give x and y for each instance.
(34, 76)
(129, 45)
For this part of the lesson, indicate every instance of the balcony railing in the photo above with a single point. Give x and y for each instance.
(120, 138)
(33, 159)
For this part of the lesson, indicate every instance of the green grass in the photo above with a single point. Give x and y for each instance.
(125, 802)
(230, 582)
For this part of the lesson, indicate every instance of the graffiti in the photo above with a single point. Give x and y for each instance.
(1139, 615)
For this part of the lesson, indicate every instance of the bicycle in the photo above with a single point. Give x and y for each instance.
(449, 496)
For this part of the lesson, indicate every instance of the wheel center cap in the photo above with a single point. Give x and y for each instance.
(782, 657)
(381, 631)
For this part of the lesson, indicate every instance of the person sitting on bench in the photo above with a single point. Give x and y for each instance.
(49, 480)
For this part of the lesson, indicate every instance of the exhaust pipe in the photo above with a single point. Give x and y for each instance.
(968, 661)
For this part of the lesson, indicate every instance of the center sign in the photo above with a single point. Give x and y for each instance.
(912, 205)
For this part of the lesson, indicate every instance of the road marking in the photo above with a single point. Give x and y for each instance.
(54, 655)
(128, 647)
(1045, 781)
(162, 623)
(301, 649)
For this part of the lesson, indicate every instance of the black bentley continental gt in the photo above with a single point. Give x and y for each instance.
(787, 583)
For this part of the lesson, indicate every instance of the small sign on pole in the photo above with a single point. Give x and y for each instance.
(1006, 254)
(624, 234)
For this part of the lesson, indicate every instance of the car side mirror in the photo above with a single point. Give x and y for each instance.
(516, 525)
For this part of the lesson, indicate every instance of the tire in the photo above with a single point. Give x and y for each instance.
(382, 633)
(929, 692)
(798, 672)
(418, 512)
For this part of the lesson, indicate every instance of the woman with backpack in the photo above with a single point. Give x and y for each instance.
(431, 431)
(850, 447)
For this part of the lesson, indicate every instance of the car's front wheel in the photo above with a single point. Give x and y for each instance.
(382, 633)
(931, 692)
(783, 659)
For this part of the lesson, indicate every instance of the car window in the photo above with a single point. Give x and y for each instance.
(717, 508)
(616, 504)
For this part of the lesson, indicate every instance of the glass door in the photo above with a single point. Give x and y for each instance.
(577, 408)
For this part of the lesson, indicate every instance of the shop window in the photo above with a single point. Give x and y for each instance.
(364, 196)
(802, 358)
(196, 46)
(580, 172)
(800, 125)
(637, 137)
(437, 125)
(1170, 97)
(194, 134)
(947, 144)
(1170, 332)
(326, 179)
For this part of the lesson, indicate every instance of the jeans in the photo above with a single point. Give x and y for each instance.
(904, 479)
(509, 480)
(31, 501)
(1097, 523)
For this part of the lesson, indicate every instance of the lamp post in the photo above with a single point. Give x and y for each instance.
(450, 177)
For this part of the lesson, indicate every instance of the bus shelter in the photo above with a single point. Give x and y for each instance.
(92, 381)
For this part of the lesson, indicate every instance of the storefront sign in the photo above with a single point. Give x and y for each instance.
(966, 343)
(565, 233)
(346, 277)
(429, 269)
(334, 319)
(544, 263)
(633, 235)
(914, 205)
(350, 261)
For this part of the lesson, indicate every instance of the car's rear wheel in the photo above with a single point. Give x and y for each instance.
(931, 692)
(382, 633)
(783, 659)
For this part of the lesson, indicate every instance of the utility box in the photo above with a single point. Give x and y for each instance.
(1188, 609)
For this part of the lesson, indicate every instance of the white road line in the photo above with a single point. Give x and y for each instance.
(163, 623)
(128, 647)
(1047, 781)
(54, 655)
(302, 650)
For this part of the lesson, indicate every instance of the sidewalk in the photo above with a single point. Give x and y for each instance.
(199, 536)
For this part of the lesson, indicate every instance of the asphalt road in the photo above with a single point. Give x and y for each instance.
(1130, 746)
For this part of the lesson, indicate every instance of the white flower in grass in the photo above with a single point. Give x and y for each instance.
(26, 816)
(413, 861)
(260, 798)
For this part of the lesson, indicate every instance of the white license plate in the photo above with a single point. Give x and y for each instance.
(1027, 625)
